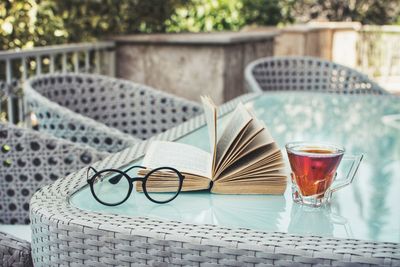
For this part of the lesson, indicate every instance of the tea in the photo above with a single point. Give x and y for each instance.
(314, 169)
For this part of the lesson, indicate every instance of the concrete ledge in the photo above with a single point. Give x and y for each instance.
(215, 38)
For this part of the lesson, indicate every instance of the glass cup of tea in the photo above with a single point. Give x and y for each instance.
(314, 176)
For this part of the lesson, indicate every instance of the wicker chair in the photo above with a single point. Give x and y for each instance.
(29, 161)
(307, 74)
(121, 113)
(14, 251)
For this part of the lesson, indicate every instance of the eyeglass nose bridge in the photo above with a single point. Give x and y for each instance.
(131, 179)
(137, 178)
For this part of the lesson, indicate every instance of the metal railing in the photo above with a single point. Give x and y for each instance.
(18, 65)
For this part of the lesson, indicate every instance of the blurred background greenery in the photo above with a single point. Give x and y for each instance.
(28, 23)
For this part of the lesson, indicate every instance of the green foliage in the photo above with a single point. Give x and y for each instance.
(27, 23)
(377, 12)
(85, 20)
(218, 15)
(207, 15)
(266, 12)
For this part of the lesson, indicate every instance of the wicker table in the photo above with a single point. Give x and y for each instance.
(64, 234)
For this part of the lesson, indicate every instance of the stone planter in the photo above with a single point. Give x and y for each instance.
(191, 65)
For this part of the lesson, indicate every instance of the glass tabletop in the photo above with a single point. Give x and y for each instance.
(367, 209)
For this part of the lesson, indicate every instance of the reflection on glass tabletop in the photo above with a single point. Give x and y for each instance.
(367, 209)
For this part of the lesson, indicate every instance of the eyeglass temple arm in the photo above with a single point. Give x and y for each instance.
(118, 177)
(90, 169)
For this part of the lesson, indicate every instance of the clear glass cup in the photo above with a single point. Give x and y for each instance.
(314, 167)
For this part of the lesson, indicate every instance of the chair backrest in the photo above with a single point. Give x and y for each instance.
(132, 108)
(64, 123)
(307, 74)
(30, 160)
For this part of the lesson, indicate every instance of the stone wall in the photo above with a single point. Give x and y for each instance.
(335, 41)
(373, 50)
(190, 65)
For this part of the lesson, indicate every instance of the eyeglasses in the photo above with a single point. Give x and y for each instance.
(112, 187)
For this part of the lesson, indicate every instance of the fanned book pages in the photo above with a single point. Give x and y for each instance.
(243, 160)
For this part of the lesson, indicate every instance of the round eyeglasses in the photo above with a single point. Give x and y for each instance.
(112, 187)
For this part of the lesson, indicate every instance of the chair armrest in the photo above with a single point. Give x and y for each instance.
(31, 160)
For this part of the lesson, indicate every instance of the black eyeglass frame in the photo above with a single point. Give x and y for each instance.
(131, 180)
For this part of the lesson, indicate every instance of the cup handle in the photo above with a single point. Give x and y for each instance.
(342, 182)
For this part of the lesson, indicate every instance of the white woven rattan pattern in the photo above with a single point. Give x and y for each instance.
(14, 252)
(63, 235)
(307, 74)
(133, 111)
(30, 160)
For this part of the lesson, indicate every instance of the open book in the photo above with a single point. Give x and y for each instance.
(243, 160)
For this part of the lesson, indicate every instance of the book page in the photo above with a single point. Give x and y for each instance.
(259, 155)
(237, 123)
(253, 187)
(210, 113)
(251, 136)
(184, 158)
(261, 138)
